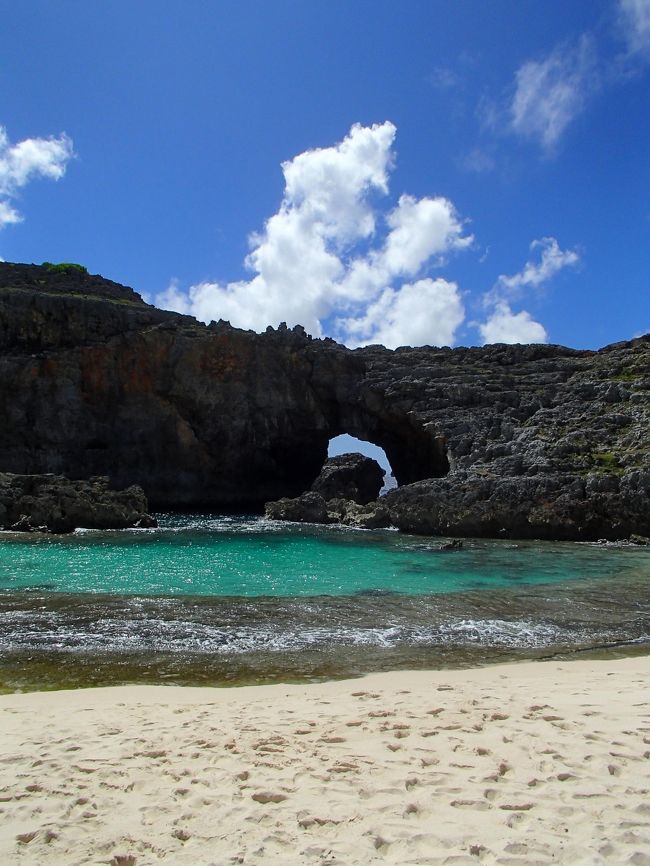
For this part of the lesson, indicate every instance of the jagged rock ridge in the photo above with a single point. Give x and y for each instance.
(539, 441)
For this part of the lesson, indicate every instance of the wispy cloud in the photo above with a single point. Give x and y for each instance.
(551, 261)
(443, 78)
(550, 93)
(634, 18)
(477, 161)
(330, 257)
(22, 162)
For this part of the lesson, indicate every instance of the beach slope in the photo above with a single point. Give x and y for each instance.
(529, 764)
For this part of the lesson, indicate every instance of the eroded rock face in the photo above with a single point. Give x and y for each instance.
(536, 440)
(312, 508)
(372, 515)
(55, 504)
(547, 506)
(308, 508)
(350, 476)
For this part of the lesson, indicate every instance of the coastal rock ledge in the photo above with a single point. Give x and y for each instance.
(51, 503)
(536, 441)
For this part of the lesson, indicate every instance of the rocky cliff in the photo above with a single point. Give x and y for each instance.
(538, 441)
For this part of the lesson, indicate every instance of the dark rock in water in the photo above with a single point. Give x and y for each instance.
(548, 506)
(506, 441)
(52, 503)
(373, 515)
(350, 476)
(308, 508)
(455, 544)
(641, 540)
(24, 524)
(145, 522)
(312, 508)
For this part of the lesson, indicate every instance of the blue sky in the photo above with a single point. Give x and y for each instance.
(420, 172)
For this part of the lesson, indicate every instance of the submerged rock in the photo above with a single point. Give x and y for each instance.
(350, 476)
(451, 546)
(52, 503)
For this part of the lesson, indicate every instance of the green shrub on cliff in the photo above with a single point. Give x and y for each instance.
(606, 461)
(64, 267)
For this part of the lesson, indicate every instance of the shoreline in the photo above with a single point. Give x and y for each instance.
(522, 762)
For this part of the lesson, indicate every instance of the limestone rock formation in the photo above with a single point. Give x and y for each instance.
(372, 515)
(521, 440)
(549, 505)
(308, 508)
(53, 503)
(312, 508)
(350, 476)
(344, 492)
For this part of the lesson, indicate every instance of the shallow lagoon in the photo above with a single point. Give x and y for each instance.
(206, 599)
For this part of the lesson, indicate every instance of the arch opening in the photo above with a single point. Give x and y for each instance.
(411, 450)
(344, 443)
(414, 450)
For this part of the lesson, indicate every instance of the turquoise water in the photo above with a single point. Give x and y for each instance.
(216, 600)
(230, 556)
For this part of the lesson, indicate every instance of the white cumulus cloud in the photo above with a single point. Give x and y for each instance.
(425, 312)
(504, 326)
(550, 93)
(8, 214)
(22, 162)
(331, 258)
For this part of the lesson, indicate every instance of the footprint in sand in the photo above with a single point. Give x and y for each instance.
(269, 797)
(479, 805)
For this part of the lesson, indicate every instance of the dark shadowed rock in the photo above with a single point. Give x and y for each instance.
(548, 505)
(528, 441)
(53, 503)
(308, 508)
(350, 476)
(312, 508)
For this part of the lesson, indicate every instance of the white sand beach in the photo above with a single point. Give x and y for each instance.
(525, 764)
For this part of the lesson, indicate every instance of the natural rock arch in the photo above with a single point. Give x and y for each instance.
(413, 452)
(535, 441)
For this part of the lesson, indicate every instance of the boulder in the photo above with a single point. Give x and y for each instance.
(308, 508)
(350, 476)
(373, 515)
